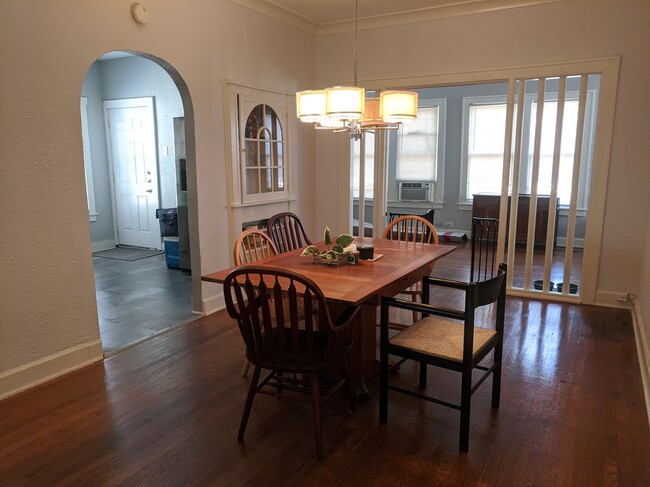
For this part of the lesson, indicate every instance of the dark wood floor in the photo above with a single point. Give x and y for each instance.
(166, 412)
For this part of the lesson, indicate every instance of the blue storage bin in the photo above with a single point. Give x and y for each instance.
(172, 255)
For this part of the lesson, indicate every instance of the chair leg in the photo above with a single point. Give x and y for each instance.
(496, 380)
(315, 398)
(252, 389)
(423, 375)
(348, 386)
(383, 379)
(247, 366)
(414, 298)
(465, 406)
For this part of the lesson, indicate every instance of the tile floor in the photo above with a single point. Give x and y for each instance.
(138, 299)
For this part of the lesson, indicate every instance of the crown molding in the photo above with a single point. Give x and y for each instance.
(464, 7)
(273, 11)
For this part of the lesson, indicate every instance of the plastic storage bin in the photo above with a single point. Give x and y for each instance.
(172, 256)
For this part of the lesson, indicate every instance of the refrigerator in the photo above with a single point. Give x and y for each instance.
(181, 194)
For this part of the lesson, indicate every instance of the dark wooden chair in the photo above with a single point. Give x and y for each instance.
(439, 339)
(411, 228)
(251, 246)
(295, 351)
(287, 232)
(485, 232)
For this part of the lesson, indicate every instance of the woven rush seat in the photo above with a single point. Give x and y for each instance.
(441, 338)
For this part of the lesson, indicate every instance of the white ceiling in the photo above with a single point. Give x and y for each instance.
(332, 16)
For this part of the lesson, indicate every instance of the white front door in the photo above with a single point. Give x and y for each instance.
(131, 140)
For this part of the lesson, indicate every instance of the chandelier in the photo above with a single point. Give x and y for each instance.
(346, 108)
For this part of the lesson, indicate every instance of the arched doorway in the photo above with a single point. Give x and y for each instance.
(137, 126)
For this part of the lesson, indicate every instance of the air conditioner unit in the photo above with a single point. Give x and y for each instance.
(414, 191)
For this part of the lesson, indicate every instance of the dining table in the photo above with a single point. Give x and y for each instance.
(395, 266)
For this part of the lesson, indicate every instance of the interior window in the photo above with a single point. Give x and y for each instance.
(263, 153)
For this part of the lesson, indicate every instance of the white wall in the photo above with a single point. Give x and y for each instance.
(48, 316)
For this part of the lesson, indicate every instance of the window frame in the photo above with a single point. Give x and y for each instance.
(242, 101)
(438, 182)
(437, 198)
(466, 201)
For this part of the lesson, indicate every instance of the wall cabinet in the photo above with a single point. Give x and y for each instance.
(487, 206)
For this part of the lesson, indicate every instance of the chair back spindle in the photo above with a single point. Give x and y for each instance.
(253, 245)
(485, 232)
(411, 228)
(287, 232)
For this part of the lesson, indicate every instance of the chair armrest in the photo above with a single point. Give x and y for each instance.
(426, 309)
(438, 281)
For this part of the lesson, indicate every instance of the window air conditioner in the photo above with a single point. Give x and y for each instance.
(414, 191)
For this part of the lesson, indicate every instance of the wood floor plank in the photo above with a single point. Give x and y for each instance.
(167, 411)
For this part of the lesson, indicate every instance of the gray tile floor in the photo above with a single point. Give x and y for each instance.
(138, 299)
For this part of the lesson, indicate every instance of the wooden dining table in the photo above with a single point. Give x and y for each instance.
(396, 266)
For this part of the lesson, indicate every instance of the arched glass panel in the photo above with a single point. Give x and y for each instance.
(263, 151)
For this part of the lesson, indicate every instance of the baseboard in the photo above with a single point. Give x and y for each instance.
(214, 303)
(609, 299)
(643, 353)
(578, 243)
(42, 370)
(102, 245)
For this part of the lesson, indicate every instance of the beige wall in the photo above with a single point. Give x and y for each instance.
(48, 316)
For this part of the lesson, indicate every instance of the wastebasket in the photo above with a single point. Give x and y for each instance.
(168, 219)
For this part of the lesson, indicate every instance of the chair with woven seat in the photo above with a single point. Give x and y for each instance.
(287, 232)
(295, 351)
(485, 232)
(449, 338)
(252, 245)
(411, 228)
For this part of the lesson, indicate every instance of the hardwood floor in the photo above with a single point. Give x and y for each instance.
(166, 412)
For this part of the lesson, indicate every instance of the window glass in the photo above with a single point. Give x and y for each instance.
(418, 147)
(486, 134)
(263, 151)
(567, 148)
(369, 166)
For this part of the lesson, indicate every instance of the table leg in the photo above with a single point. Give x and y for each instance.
(362, 357)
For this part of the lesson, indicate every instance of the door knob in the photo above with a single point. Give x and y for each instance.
(149, 191)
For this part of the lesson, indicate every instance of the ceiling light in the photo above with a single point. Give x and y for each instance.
(345, 108)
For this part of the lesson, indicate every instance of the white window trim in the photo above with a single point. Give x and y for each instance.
(235, 123)
(439, 169)
(466, 202)
(88, 165)
(438, 183)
